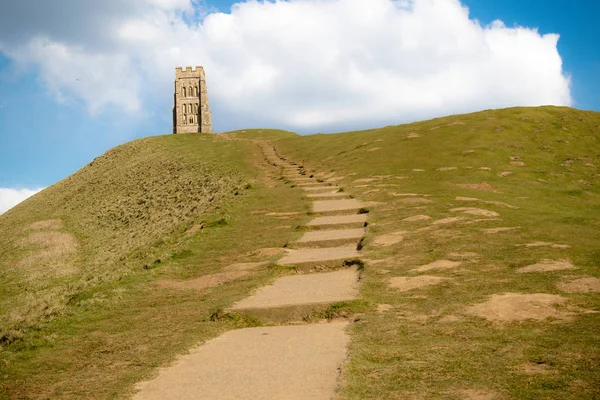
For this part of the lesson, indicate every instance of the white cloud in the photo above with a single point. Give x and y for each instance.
(302, 64)
(11, 197)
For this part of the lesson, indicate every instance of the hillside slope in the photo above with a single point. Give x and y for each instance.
(480, 278)
(82, 257)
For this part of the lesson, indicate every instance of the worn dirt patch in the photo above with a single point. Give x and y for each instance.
(513, 307)
(500, 229)
(456, 123)
(404, 283)
(373, 149)
(476, 211)
(418, 170)
(416, 218)
(203, 282)
(389, 239)
(413, 135)
(547, 265)
(381, 308)
(586, 284)
(483, 186)
(49, 252)
(544, 244)
(448, 220)
(485, 168)
(504, 173)
(535, 368)
(438, 264)
(195, 229)
(447, 169)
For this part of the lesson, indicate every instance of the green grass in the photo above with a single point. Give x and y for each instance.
(112, 326)
(410, 352)
(82, 316)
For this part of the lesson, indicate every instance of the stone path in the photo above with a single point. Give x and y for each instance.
(299, 361)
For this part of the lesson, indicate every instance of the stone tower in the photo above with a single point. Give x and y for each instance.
(190, 108)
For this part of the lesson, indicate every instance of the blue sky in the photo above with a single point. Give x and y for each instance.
(303, 65)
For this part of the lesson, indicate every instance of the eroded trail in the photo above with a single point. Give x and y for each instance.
(293, 358)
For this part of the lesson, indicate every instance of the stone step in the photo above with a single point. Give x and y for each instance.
(330, 238)
(295, 297)
(279, 362)
(306, 259)
(336, 206)
(354, 220)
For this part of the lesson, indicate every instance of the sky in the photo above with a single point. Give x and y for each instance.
(78, 77)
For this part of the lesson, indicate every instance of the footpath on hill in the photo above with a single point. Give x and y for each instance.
(298, 360)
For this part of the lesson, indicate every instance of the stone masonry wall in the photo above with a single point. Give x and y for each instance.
(191, 112)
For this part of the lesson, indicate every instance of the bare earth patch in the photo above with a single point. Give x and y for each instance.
(416, 218)
(438, 264)
(535, 368)
(381, 308)
(513, 307)
(476, 211)
(544, 244)
(446, 169)
(365, 180)
(500, 229)
(413, 135)
(483, 186)
(374, 149)
(587, 284)
(547, 265)
(448, 220)
(504, 173)
(389, 239)
(404, 283)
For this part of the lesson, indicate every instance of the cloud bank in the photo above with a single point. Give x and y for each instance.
(11, 197)
(307, 65)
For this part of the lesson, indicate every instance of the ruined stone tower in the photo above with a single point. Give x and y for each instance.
(190, 108)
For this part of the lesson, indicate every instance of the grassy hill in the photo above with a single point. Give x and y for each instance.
(83, 313)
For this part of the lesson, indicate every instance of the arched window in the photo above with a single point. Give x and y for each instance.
(191, 119)
(196, 91)
(184, 120)
(195, 108)
(183, 109)
(190, 93)
(183, 92)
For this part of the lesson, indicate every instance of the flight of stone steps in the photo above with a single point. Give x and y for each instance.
(293, 361)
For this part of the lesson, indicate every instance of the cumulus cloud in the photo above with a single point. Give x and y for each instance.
(298, 64)
(11, 197)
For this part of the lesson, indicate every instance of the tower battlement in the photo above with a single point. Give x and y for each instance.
(191, 112)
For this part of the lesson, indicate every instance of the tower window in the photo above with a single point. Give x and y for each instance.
(183, 92)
